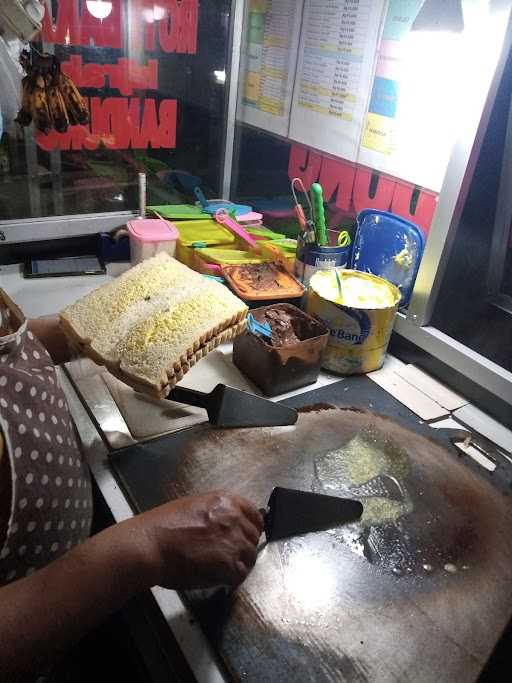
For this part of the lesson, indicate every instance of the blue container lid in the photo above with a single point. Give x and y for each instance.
(388, 246)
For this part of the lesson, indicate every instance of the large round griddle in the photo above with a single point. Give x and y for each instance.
(418, 591)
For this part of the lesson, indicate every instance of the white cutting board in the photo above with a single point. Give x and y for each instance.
(148, 417)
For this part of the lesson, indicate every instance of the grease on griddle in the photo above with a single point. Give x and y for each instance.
(374, 470)
(316, 408)
(371, 469)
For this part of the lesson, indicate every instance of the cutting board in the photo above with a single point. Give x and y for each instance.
(148, 417)
(419, 590)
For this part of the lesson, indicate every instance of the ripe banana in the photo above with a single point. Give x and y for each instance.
(49, 98)
(75, 104)
(40, 110)
(24, 117)
(56, 105)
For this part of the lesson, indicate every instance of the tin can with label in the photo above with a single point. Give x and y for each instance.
(360, 320)
(311, 258)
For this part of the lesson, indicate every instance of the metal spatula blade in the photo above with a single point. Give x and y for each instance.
(293, 513)
(228, 407)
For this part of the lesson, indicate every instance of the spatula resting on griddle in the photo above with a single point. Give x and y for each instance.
(228, 407)
(293, 513)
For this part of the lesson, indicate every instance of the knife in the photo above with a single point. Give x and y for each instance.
(292, 513)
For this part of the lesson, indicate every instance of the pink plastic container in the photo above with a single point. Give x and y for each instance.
(149, 236)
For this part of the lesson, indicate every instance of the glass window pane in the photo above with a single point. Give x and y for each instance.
(506, 285)
(153, 76)
(466, 309)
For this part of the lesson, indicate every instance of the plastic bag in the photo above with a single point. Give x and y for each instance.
(11, 75)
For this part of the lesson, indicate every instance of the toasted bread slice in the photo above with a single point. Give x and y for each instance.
(153, 323)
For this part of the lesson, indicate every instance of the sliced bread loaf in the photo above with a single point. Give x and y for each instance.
(151, 324)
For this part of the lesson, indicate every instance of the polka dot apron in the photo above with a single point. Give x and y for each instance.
(51, 502)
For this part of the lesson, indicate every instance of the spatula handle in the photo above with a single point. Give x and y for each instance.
(200, 195)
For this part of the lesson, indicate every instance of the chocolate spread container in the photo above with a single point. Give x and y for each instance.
(291, 359)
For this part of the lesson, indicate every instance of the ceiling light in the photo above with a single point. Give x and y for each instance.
(100, 9)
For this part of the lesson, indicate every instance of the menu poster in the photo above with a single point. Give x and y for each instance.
(426, 87)
(335, 70)
(405, 104)
(269, 60)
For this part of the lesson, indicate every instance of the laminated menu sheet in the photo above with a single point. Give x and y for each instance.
(414, 100)
(335, 70)
(269, 59)
(426, 86)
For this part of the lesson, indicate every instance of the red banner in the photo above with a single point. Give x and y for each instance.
(122, 122)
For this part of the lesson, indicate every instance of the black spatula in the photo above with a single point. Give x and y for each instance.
(293, 513)
(228, 407)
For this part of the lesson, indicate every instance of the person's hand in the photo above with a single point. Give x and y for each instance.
(202, 541)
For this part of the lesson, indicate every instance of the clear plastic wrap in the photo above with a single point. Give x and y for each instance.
(11, 75)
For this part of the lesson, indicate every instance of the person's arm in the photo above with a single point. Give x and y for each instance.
(192, 542)
(49, 332)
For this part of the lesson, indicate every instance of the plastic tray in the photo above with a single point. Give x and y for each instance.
(276, 283)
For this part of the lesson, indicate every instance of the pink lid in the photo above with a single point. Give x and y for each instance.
(153, 230)
(250, 217)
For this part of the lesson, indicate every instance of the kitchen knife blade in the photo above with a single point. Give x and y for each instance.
(292, 513)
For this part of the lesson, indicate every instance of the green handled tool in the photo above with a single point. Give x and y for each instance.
(317, 199)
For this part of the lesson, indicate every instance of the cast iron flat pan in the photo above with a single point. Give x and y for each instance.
(420, 590)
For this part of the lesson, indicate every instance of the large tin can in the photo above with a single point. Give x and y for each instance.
(359, 333)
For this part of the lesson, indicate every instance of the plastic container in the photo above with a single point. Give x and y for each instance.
(150, 236)
(227, 257)
(286, 248)
(175, 212)
(262, 282)
(360, 330)
(277, 369)
(206, 232)
(388, 246)
(260, 232)
(311, 258)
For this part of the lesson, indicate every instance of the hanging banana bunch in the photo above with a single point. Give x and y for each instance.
(49, 97)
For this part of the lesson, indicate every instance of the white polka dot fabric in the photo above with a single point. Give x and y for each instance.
(51, 505)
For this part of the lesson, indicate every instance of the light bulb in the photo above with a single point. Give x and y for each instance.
(100, 9)
(155, 14)
(158, 12)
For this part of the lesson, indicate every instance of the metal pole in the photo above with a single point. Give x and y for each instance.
(233, 66)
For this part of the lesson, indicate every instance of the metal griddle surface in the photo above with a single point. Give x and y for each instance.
(419, 591)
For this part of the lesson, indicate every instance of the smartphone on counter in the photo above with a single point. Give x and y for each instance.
(64, 267)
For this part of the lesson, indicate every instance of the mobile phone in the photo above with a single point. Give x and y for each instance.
(62, 267)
